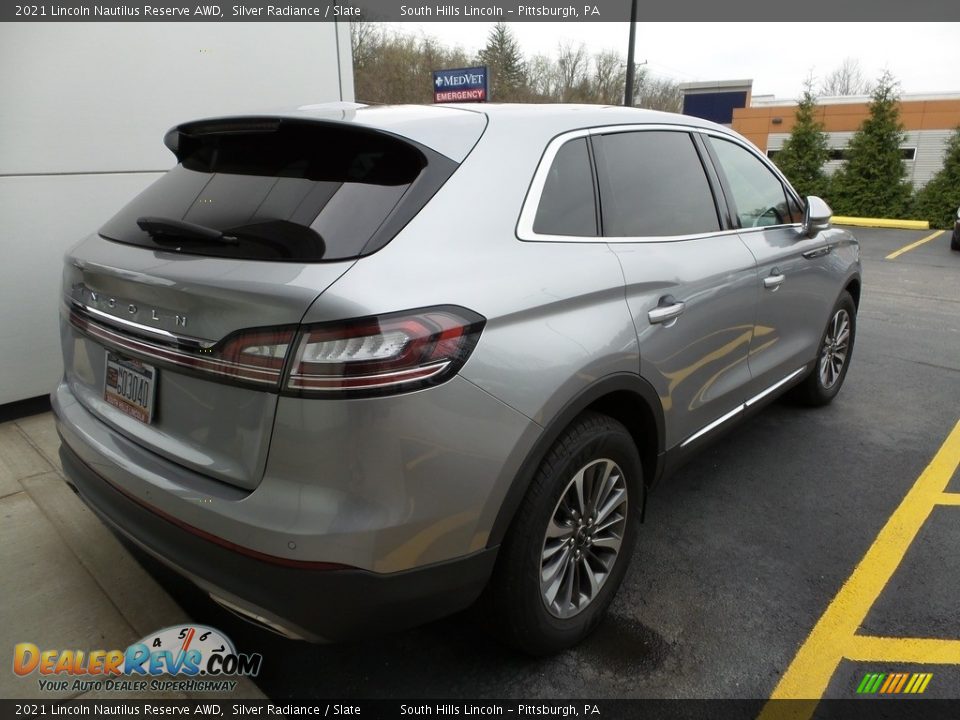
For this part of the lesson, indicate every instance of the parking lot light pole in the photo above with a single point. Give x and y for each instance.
(628, 91)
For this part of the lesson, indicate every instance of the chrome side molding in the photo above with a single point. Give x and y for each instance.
(737, 410)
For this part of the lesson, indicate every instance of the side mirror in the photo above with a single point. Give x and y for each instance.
(816, 216)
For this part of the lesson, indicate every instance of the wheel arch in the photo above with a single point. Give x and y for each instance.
(625, 397)
(853, 287)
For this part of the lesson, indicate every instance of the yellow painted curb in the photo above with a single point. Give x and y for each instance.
(882, 223)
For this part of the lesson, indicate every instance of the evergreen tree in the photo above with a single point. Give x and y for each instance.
(872, 181)
(939, 199)
(803, 154)
(504, 61)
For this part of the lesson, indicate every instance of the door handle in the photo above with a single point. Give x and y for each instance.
(774, 280)
(666, 312)
(819, 252)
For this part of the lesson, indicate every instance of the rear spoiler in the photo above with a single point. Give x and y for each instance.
(252, 123)
(451, 132)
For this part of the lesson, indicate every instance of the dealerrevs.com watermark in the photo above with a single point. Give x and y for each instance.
(189, 658)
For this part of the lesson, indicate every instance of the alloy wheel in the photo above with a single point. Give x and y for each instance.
(583, 538)
(836, 345)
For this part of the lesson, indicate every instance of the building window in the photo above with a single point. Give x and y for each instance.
(840, 154)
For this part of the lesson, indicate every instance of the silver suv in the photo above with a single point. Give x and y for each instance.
(349, 368)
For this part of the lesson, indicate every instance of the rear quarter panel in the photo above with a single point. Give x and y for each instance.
(557, 318)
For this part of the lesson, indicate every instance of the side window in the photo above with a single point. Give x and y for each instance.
(795, 208)
(654, 185)
(567, 204)
(758, 193)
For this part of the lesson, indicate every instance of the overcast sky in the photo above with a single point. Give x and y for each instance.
(925, 57)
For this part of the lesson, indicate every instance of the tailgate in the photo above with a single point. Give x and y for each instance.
(179, 314)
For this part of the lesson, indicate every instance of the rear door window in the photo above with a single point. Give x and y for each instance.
(568, 201)
(284, 190)
(653, 184)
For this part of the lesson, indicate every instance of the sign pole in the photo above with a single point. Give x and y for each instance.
(628, 91)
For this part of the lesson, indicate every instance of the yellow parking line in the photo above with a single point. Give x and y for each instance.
(929, 651)
(948, 498)
(834, 637)
(907, 248)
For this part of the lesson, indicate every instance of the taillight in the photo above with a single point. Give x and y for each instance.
(248, 356)
(385, 354)
(369, 356)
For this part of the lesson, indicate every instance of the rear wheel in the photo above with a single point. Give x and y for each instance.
(571, 540)
(836, 346)
(955, 239)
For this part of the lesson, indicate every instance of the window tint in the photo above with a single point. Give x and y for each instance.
(567, 205)
(654, 185)
(757, 192)
(284, 191)
(795, 208)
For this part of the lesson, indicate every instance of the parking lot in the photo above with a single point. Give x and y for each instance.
(745, 549)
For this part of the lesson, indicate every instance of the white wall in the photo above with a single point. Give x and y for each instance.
(83, 110)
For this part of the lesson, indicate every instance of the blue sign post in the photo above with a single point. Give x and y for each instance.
(460, 85)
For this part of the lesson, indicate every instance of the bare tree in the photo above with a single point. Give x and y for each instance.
(609, 75)
(391, 67)
(542, 82)
(658, 94)
(365, 36)
(572, 72)
(847, 79)
(394, 67)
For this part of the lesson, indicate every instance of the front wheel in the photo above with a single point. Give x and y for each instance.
(571, 540)
(836, 347)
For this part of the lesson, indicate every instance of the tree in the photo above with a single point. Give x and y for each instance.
(872, 180)
(845, 80)
(573, 73)
(365, 37)
(390, 67)
(393, 67)
(504, 61)
(609, 75)
(804, 153)
(656, 93)
(939, 199)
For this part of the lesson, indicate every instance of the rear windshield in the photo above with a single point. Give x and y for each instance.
(281, 190)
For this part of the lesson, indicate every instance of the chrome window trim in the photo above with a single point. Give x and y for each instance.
(531, 203)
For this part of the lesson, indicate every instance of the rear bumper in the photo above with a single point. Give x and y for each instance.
(317, 605)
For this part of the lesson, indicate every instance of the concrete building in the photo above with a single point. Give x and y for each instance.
(929, 120)
(85, 107)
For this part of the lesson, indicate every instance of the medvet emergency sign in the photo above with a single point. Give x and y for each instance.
(460, 85)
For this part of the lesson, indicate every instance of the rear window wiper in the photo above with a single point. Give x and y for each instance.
(160, 228)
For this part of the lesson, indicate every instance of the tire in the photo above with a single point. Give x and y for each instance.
(833, 357)
(955, 239)
(592, 448)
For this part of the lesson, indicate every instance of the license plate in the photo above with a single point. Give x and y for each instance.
(130, 386)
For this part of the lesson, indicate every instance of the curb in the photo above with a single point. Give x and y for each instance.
(881, 223)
